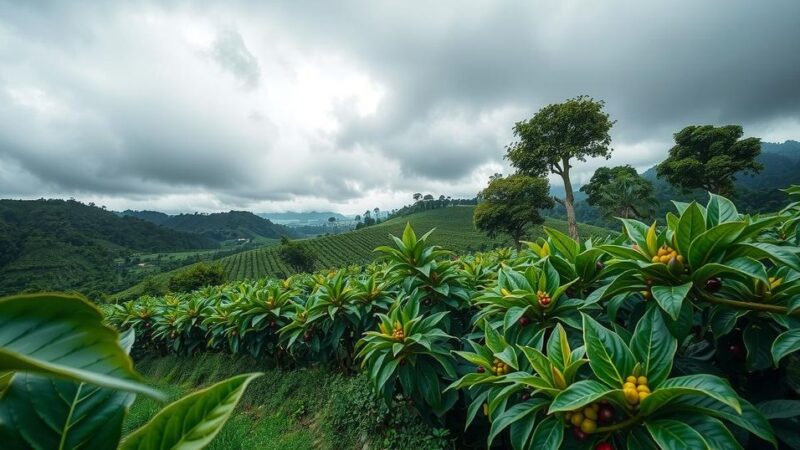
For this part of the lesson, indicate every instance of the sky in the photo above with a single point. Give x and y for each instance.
(317, 105)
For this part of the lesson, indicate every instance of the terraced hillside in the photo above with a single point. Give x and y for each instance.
(454, 231)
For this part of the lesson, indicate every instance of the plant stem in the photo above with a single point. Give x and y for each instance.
(633, 420)
(749, 305)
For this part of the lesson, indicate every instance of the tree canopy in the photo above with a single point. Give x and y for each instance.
(559, 133)
(511, 205)
(709, 157)
(298, 256)
(621, 192)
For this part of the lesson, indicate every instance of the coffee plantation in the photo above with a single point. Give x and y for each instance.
(677, 335)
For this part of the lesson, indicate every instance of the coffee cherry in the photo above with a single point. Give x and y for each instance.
(604, 446)
(713, 284)
(599, 265)
(524, 321)
(606, 413)
(525, 397)
(736, 351)
(579, 435)
(481, 369)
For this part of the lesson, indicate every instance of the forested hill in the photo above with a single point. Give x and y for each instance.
(218, 226)
(65, 245)
(759, 193)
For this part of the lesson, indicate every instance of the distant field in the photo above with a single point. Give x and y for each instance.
(454, 231)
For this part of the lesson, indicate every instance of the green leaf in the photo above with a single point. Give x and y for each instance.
(758, 340)
(746, 268)
(609, 357)
(780, 409)
(786, 343)
(777, 254)
(715, 433)
(63, 336)
(705, 246)
(670, 298)
(723, 320)
(564, 244)
(691, 224)
(193, 421)
(654, 347)
(578, 394)
(720, 210)
(41, 412)
(672, 434)
(749, 419)
(517, 412)
(548, 434)
(698, 385)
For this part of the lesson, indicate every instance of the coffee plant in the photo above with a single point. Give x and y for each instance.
(678, 334)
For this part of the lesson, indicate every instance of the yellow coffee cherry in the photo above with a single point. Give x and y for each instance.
(629, 386)
(641, 380)
(643, 395)
(631, 379)
(576, 419)
(588, 426)
(568, 415)
(590, 413)
(642, 388)
(595, 407)
(656, 259)
(631, 396)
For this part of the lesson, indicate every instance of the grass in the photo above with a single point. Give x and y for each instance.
(284, 409)
(454, 231)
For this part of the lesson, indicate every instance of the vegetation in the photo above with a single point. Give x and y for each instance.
(556, 136)
(454, 230)
(67, 382)
(681, 336)
(620, 192)
(709, 157)
(220, 227)
(196, 277)
(296, 255)
(511, 206)
(66, 245)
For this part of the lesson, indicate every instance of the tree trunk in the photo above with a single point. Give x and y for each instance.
(569, 202)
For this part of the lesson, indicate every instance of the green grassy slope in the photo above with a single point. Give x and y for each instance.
(287, 410)
(454, 231)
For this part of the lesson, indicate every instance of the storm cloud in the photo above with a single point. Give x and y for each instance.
(346, 105)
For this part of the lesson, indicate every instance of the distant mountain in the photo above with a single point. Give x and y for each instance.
(67, 245)
(218, 226)
(302, 217)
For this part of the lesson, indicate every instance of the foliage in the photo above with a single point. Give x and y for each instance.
(620, 192)
(558, 134)
(680, 336)
(709, 157)
(221, 226)
(511, 205)
(67, 381)
(197, 276)
(298, 256)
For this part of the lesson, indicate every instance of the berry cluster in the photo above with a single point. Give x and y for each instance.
(635, 390)
(647, 293)
(544, 299)
(398, 334)
(500, 368)
(585, 420)
(665, 254)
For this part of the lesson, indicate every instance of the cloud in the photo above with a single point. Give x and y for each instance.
(289, 105)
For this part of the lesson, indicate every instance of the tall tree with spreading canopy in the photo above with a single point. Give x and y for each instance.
(555, 136)
(621, 192)
(709, 157)
(511, 205)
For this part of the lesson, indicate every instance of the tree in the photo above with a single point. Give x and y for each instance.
(427, 197)
(557, 134)
(708, 157)
(331, 220)
(510, 205)
(197, 276)
(358, 218)
(417, 197)
(298, 256)
(621, 192)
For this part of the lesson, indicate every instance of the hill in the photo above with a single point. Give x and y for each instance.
(67, 245)
(454, 231)
(220, 227)
(302, 217)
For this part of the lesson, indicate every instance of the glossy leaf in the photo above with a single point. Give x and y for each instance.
(786, 343)
(609, 357)
(654, 347)
(579, 394)
(670, 298)
(191, 422)
(548, 434)
(672, 434)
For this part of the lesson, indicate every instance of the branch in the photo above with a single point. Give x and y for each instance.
(558, 200)
(749, 306)
(621, 425)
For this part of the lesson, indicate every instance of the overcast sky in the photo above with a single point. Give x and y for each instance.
(335, 105)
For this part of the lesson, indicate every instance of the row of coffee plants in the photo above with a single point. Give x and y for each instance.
(684, 335)
(66, 382)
